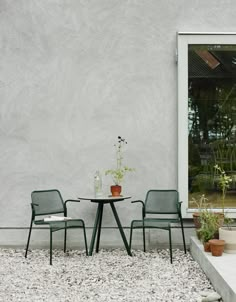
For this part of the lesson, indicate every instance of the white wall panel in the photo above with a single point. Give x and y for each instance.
(76, 74)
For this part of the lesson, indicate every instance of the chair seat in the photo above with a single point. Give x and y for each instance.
(153, 223)
(60, 225)
(41, 221)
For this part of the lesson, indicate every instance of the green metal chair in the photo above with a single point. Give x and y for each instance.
(160, 209)
(50, 202)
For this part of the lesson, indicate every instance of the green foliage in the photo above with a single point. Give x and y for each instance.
(228, 221)
(201, 203)
(118, 174)
(209, 225)
(193, 170)
(202, 183)
(224, 183)
(208, 219)
(194, 157)
(120, 171)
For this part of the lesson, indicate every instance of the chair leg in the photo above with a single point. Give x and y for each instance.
(144, 240)
(65, 238)
(50, 246)
(85, 242)
(120, 228)
(94, 230)
(170, 245)
(99, 228)
(130, 237)
(28, 241)
(182, 228)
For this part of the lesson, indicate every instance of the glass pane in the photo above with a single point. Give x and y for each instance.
(211, 121)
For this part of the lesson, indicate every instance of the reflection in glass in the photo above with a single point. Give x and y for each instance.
(211, 120)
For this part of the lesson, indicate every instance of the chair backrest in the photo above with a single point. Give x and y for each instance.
(47, 202)
(161, 202)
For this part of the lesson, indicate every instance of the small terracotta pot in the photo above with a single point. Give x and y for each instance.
(207, 246)
(217, 247)
(115, 190)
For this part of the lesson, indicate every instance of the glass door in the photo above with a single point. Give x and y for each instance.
(207, 117)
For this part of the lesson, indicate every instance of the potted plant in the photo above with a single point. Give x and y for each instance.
(120, 171)
(201, 204)
(227, 232)
(209, 227)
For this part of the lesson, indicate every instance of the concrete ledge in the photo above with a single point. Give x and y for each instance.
(220, 270)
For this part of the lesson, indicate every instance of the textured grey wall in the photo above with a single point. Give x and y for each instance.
(76, 74)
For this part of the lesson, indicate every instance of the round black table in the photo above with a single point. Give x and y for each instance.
(98, 220)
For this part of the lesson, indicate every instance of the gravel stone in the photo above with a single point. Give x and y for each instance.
(110, 275)
(212, 297)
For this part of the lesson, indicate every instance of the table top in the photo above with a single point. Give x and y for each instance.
(105, 198)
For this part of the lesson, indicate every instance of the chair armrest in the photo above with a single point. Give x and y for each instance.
(69, 200)
(179, 203)
(135, 201)
(143, 206)
(72, 200)
(33, 204)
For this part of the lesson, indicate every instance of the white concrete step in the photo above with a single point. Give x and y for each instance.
(220, 270)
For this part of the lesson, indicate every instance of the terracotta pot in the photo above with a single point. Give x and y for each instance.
(116, 190)
(229, 236)
(207, 246)
(217, 247)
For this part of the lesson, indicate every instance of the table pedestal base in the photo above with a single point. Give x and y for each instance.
(98, 225)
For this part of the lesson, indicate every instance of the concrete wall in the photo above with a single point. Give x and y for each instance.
(76, 74)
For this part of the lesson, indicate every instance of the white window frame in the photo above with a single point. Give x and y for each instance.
(183, 40)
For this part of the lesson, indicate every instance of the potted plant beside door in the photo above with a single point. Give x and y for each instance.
(209, 224)
(202, 205)
(120, 171)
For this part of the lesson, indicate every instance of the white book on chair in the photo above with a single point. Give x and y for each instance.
(56, 218)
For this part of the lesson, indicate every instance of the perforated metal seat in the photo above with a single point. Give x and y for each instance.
(164, 208)
(50, 202)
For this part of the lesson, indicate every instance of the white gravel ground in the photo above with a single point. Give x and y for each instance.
(110, 275)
